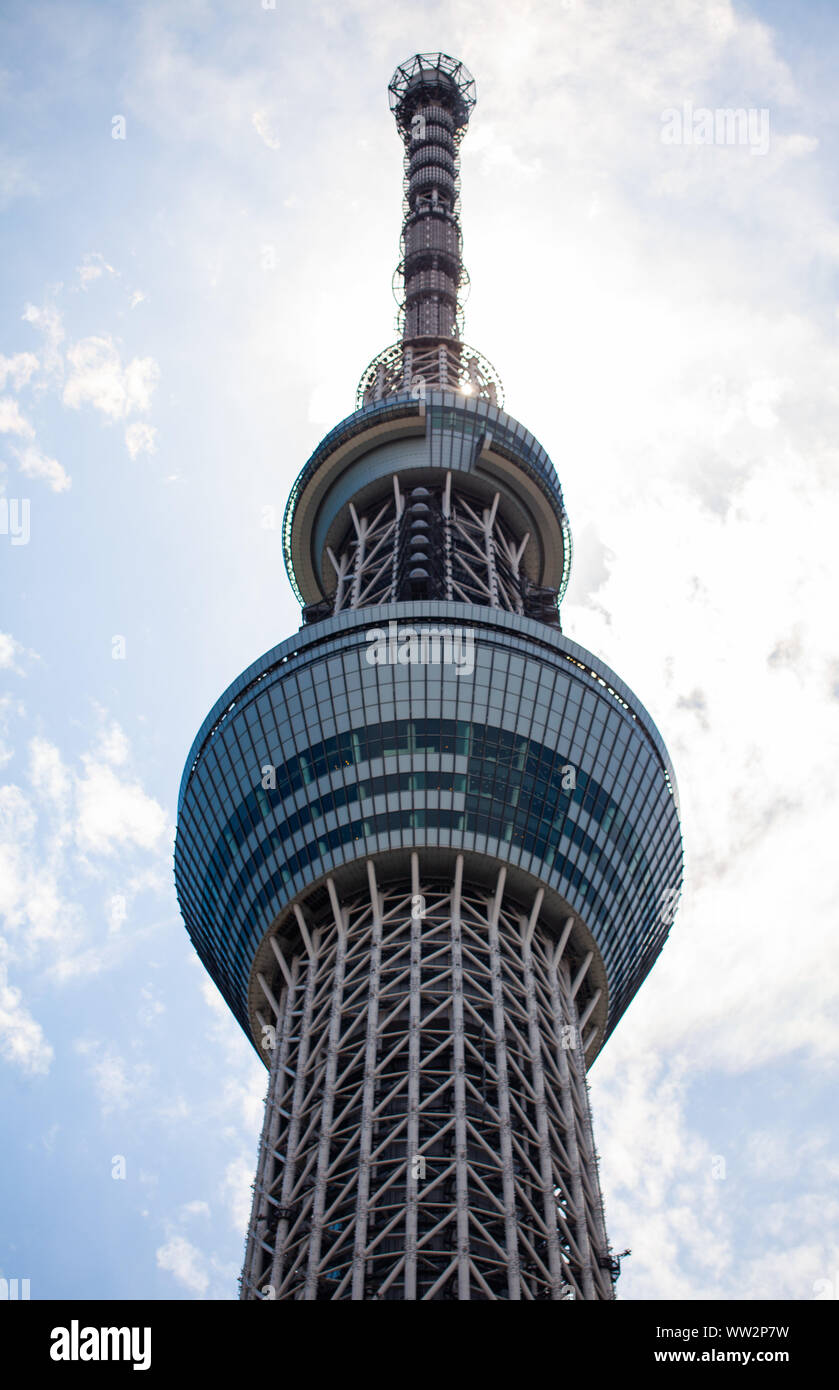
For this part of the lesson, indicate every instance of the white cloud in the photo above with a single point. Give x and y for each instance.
(118, 1083)
(9, 649)
(213, 998)
(799, 144)
(141, 438)
(195, 1209)
(34, 464)
(150, 1007)
(70, 819)
(15, 179)
(248, 1095)
(18, 820)
(116, 911)
(9, 709)
(92, 268)
(328, 402)
(186, 1262)
(677, 1198)
(49, 321)
(659, 1187)
(113, 814)
(19, 368)
(112, 743)
(238, 1180)
(22, 1040)
(11, 420)
(97, 377)
(48, 773)
(262, 124)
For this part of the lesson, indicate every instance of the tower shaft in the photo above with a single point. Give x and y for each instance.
(427, 1131)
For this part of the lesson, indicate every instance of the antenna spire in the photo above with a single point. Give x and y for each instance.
(432, 97)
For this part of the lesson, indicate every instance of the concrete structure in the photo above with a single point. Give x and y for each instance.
(428, 848)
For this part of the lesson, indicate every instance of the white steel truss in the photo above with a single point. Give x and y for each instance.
(417, 366)
(480, 559)
(427, 1128)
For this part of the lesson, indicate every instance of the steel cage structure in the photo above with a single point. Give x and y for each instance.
(427, 1131)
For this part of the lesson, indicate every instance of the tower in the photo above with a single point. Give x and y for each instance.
(428, 847)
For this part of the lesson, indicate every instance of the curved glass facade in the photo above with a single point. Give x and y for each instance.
(538, 757)
(455, 426)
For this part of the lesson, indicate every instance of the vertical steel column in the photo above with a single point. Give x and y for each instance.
(340, 568)
(535, 1035)
(516, 559)
(399, 508)
(360, 553)
(443, 366)
(412, 1143)
(458, 1053)
(446, 508)
(505, 1128)
(311, 943)
(565, 1032)
(371, 1045)
(488, 522)
(328, 1104)
(578, 1092)
(267, 1161)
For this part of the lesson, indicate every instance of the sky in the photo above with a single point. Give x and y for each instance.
(202, 207)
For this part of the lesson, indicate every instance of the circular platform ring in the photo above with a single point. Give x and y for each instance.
(432, 78)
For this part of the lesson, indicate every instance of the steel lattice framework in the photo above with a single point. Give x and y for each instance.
(413, 367)
(433, 544)
(427, 1130)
